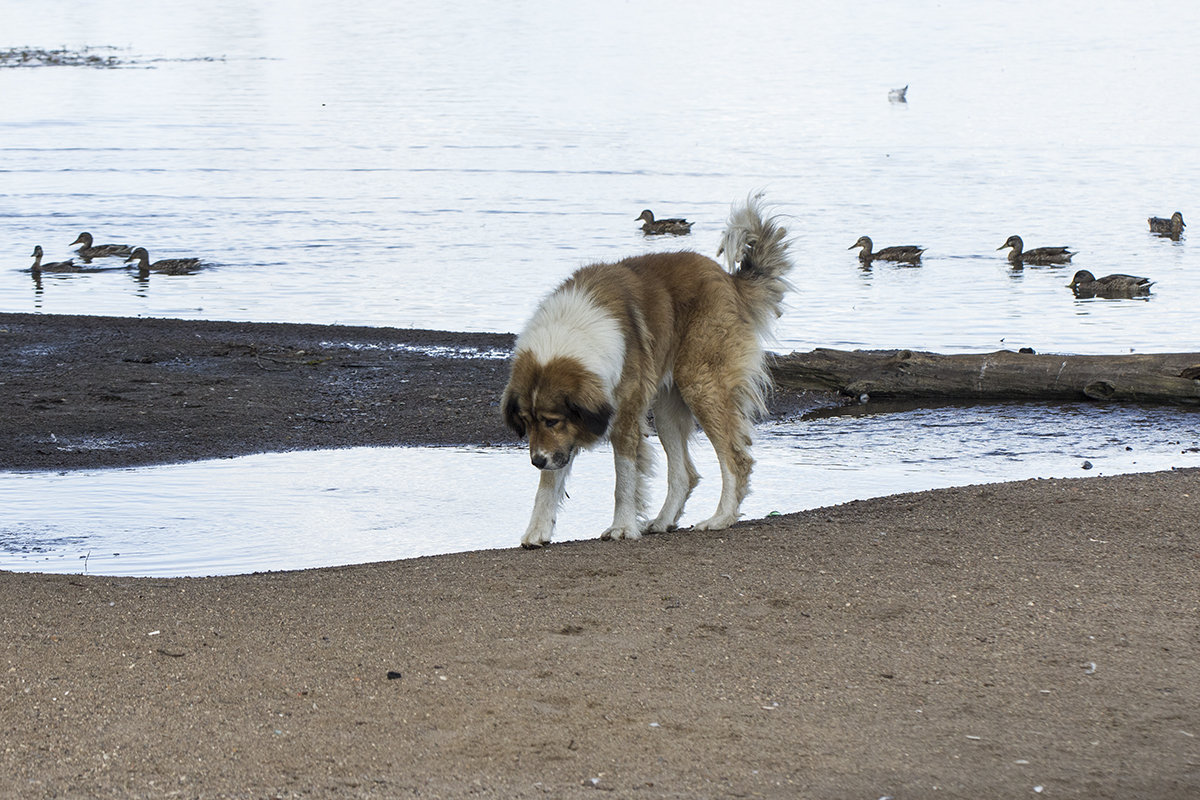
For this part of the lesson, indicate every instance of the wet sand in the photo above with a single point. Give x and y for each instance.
(1038, 638)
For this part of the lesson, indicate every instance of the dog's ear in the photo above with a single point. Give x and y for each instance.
(511, 410)
(594, 420)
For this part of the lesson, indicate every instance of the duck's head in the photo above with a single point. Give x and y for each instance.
(1178, 217)
(1012, 241)
(1081, 277)
(37, 251)
(646, 215)
(85, 239)
(863, 241)
(138, 254)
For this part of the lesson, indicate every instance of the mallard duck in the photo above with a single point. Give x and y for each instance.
(1038, 255)
(904, 252)
(169, 266)
(52, 266)
(652, 226)
(1171, 227)
(1085, 284)
(88, 251)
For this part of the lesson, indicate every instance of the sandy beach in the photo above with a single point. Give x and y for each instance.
(1029, 639)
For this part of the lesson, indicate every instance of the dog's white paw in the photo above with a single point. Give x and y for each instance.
(716, 523)
(622, 532)
(537, 535)
(661, 526)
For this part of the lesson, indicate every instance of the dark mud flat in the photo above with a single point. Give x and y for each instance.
(100, 392)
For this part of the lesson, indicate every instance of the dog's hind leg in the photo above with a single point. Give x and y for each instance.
(552, 485)
(675, 425)
(729, 432)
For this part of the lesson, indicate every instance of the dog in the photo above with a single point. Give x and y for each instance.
(670, 333)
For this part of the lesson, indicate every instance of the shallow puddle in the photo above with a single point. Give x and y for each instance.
(322, 508)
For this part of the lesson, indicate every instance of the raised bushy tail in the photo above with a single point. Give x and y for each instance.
(755, 253)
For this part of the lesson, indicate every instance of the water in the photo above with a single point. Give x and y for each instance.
(325, 508)
(444, 165)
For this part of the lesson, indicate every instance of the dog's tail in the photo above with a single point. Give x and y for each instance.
(755, 252)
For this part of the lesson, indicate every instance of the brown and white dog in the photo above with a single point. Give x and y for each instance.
(672, 333)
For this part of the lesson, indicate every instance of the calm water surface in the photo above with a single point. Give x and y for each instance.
(443, 166)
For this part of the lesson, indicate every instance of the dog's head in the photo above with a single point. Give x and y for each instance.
(560, 405)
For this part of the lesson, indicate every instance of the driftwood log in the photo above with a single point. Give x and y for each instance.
(1003, 375)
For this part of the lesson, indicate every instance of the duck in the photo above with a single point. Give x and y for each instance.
(1038, 255)
(899, 95)
(904, 252)
(1085, 284)
(652, 226)
(168, 266)
(1171, 227)
(52, 266)
(88, 251)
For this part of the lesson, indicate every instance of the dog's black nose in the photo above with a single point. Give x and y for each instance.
(539, 461)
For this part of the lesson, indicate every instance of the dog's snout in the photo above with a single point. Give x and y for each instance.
(549, 461)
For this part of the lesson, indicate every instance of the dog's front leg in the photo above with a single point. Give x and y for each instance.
(626, 505)
(552, 485)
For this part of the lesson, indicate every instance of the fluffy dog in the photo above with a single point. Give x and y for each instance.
(672, 333)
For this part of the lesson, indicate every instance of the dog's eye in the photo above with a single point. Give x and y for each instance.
(550, 423)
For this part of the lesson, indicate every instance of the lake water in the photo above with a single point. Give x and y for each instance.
(444, 165)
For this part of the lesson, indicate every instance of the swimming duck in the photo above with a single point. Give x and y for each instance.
(1171, 227)
(1038, 255)
(168, 266)
(652, 226)
(52, 266)
(899, 95)
(88, 251)
(1085, 284)
(904, 252)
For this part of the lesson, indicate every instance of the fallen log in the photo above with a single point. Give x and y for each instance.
(1003, 375)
